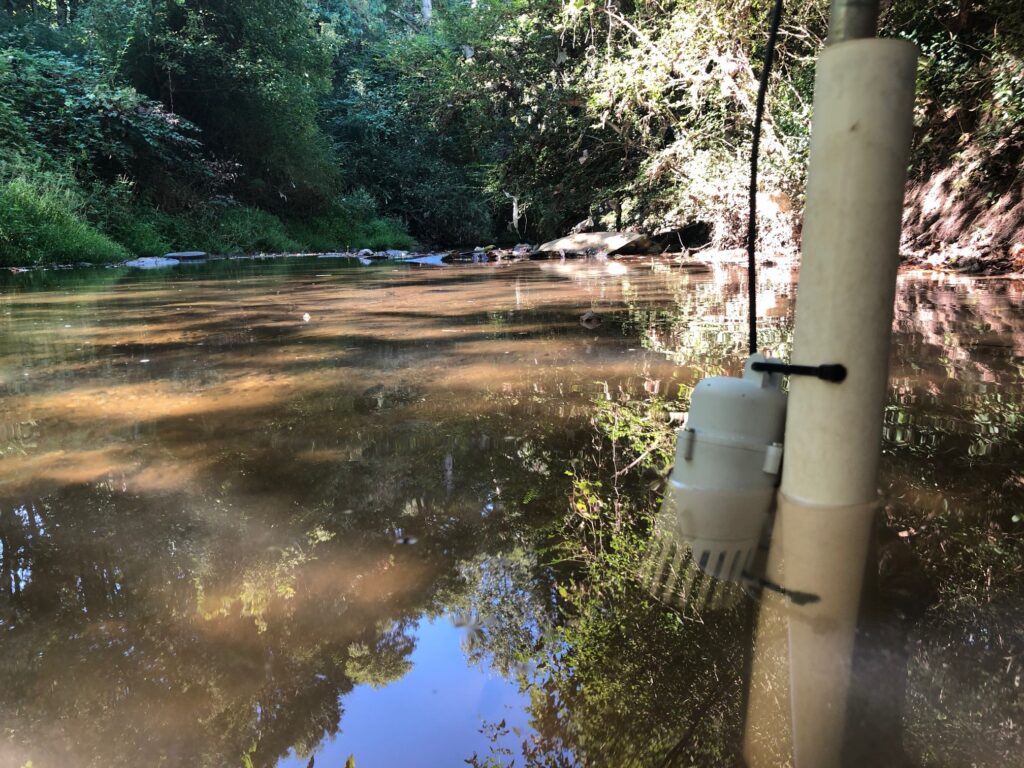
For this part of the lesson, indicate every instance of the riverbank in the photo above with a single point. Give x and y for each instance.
(48, 220)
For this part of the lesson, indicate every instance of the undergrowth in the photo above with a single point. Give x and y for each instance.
(41, 222)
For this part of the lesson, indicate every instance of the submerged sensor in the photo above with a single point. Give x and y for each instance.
(721, 489)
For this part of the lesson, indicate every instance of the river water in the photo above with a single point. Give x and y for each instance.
(278, 512)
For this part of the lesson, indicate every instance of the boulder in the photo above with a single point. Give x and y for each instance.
(593, 243)
(185, 255)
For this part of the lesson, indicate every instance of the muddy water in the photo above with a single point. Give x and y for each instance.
(252, 512)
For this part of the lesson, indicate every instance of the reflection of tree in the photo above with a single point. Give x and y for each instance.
(621, 682)
(503, 604)
(644, 688)
(200, 628)
(385, 662)
(220, 619)
(613, 678)
(700, 320)
(952, 472)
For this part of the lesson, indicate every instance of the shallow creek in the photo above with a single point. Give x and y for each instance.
(257, 511)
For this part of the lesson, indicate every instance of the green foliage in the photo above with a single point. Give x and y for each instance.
(41, 222)
(509, 120)
(630, 116)
(53, 105)
(239, 229)
(971, 73)
(350, 222)
(248, 73)
(407, 143)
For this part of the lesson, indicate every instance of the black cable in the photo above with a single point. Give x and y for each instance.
(762, 90)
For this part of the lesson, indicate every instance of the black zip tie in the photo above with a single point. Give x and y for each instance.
(834, 372)
(795, 596)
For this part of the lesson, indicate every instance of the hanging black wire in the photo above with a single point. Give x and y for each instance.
(762, 90)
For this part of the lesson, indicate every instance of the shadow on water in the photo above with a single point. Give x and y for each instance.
(233, 495)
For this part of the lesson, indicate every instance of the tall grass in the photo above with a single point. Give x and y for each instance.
(47, 217)
(41, 222)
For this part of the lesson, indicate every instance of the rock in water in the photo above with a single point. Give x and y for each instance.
(151, 262)
(185, 255)
(607, 243)
(429, 259)
(590, 320)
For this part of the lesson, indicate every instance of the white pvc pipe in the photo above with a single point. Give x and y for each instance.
(860, 141)
(796, 707)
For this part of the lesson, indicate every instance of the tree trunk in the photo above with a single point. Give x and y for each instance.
(427, 10)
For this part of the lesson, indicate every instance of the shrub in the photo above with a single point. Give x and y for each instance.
(66, 106)
(240, 229)
(141, 238)
(41, 223)
(351, 222)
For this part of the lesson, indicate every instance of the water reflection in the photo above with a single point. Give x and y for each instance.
(203, 553)
(435, 712)
(227, 530)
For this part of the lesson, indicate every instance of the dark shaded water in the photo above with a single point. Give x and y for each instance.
(252, 511)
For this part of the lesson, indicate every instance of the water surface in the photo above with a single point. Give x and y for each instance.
(254, 512)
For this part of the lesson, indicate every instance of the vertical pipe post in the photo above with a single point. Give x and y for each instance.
(860, 143)
(851, 19)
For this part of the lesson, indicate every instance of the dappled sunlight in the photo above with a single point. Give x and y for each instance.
(60, 467)
(136, 403)
(170, 475)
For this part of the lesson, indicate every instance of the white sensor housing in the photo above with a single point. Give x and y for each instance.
(721, 489)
